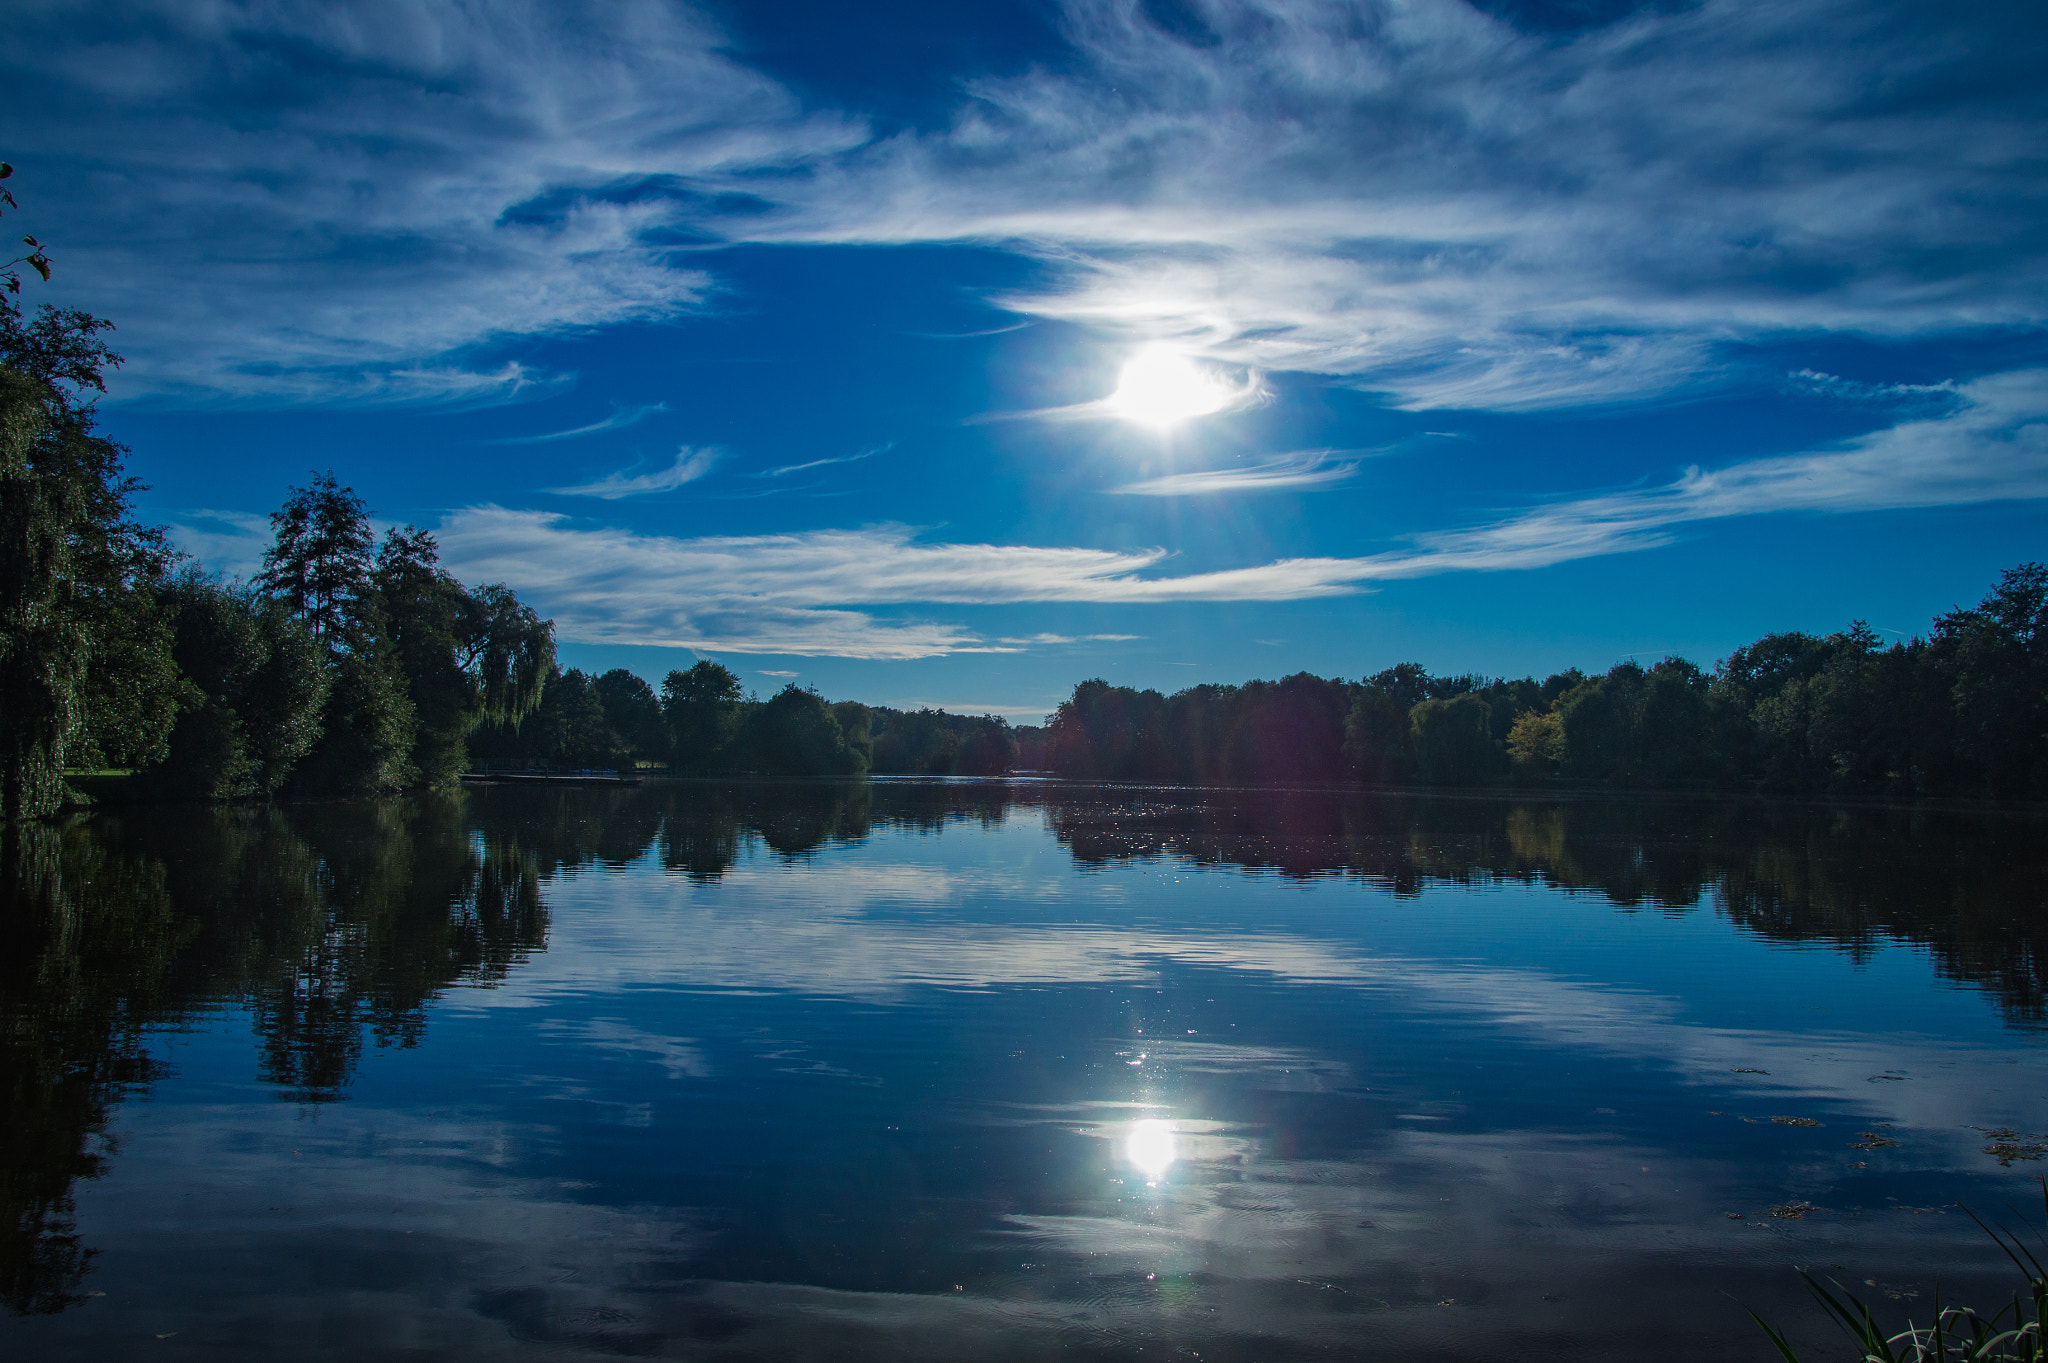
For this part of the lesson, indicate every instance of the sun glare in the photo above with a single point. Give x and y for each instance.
(1161, 386)
(1150, 1147)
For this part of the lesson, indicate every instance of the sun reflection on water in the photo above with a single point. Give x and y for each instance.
(1151, 1147)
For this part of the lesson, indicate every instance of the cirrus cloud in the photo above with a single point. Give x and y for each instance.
(335, 203)
(1307, 468)
(688, 467)
(795, 593)
(1423, 199)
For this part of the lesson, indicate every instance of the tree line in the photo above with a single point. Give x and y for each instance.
(1961, 711)
(700, 723)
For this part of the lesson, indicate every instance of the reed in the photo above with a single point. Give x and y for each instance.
(1957, 1334)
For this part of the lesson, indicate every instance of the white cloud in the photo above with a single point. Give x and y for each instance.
(789, 593)
(617, 421)
(1307, 468)
(334, 202)
(1992, 447)
(689, 466)
(785, 593)
(227, 542)
(1418, 197)
(1409, 194)
(968, 707)
(809, 464)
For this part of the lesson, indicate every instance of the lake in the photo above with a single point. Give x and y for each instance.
(949, 1070)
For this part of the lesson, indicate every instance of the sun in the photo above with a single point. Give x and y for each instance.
(1161, 386)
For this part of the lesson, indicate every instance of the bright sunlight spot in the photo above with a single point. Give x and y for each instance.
(1161, 386)
(1150, 1147)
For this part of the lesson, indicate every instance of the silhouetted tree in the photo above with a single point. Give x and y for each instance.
(1996, 655)
(318, 562)
(632, 713)
(1454, 740)
(795, 734)
(701, 707)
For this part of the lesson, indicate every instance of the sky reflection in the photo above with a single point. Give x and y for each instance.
(946, 1081)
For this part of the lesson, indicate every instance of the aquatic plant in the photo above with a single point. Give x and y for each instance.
(1957, 1334)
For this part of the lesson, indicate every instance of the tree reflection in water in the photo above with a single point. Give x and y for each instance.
(331, 923)
(336, 925)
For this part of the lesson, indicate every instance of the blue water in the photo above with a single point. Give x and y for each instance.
(1040, 1071)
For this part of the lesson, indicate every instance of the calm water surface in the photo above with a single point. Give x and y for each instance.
(945, 1071)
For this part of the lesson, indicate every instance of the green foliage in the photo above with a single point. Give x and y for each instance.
(1454, 740)
(508, 653)
(1536, 742)
(319, 568)
(796, 734)
(632, 714)
(257, 684)
(1995, 657)
(134, 691)
(701, 709)
(319, 559)
(368, 728)
(857, 722)
(927, 742)
(570, 729)
(1377, 747)
(77, 575)
(103, 659)
(417, 662)
(424, 612)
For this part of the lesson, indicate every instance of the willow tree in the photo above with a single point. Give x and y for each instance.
(469, 658)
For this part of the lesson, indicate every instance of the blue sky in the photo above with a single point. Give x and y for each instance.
(949, 354)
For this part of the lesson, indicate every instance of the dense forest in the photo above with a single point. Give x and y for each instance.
(700, 724)
(1960, 712)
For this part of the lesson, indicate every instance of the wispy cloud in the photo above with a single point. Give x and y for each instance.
(968, 707)
(788, 469)
(1418, 197)
(440, 178)
(790, 594)
(1992, 447)
(1046, 640)
(793, 594)
(775, 672)
(617, 421)
(226, 542)
(1411, 195)
(1306, 468)
(689, 466)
